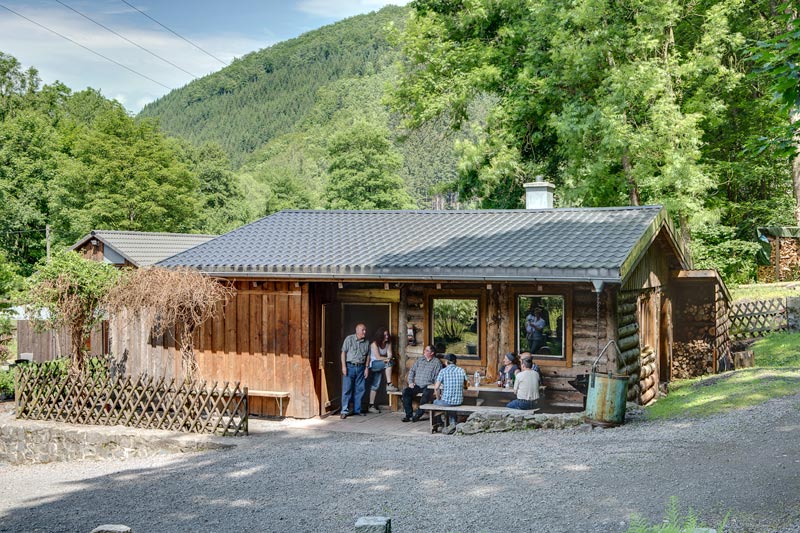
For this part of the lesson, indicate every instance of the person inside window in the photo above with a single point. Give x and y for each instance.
(534, 329)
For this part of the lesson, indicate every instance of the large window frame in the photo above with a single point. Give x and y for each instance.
(480, 329)
(517, 325)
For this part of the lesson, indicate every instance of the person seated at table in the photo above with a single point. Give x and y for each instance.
(380, 362)
(422, 374)
(526, 387)
(534, 366)
(449, 388)
(509, 369)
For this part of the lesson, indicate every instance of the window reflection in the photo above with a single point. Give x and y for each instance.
(455, 326)
(540, 329)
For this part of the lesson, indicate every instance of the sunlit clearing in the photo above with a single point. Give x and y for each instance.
(381, 488)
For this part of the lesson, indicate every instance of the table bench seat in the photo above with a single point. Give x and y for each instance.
(279, 395)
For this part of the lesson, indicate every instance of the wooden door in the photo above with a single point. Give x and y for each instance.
(330, 360)
(665, 341)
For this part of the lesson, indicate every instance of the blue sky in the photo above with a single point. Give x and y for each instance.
(225, 29)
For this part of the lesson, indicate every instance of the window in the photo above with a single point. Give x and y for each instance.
(540, 326)
(455, 327)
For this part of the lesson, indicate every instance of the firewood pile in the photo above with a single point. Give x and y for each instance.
(789, 250)
(691, 359)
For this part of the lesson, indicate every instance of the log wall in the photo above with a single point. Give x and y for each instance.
(261, 338)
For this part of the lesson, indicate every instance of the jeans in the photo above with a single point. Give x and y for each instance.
(522, 404)
(408, 396)
(353, 380)
(375, 373)
(451, 418)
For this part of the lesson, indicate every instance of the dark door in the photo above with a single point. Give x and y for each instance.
(373, 316)
(330, 359)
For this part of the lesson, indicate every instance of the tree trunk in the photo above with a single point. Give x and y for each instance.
(633, 189)
(794, 117)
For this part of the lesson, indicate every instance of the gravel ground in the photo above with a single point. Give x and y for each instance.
(745, 463)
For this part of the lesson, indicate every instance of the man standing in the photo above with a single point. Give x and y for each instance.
(354, 370)
(534, 327)
(526, 387)
(422, 374)
(449, 387)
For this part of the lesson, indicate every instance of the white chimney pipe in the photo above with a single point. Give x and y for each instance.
(539, 194)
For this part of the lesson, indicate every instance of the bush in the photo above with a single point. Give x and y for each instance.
(7, 382)
(673, 522)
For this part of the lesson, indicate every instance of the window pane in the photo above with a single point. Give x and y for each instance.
(540, 328)
(455, 326)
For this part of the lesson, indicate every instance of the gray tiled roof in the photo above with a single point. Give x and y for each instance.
(145, 249)
(544, 244)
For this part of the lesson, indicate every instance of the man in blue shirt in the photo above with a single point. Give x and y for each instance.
(354, 370)
(449, 387)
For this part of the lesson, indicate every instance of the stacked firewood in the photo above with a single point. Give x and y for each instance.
(648, 380)
(789, 261)
(691, 359)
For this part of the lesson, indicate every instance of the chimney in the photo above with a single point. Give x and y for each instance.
(539, 194)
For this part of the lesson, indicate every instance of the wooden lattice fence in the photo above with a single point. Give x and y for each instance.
(48, 393)
(758, 318)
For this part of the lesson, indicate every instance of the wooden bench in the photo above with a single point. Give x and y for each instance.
(464, 409)
(396, 396)
(278, 395)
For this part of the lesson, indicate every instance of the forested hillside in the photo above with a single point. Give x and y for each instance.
(659, 101)
(265, 93)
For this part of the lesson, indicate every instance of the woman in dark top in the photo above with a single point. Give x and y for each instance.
(509, 369)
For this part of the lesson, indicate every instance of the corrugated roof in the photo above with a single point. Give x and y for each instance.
(144, 249)
(544, 244)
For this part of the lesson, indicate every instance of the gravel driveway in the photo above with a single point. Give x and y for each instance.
(746, 463)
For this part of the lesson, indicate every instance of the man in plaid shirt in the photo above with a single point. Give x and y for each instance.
(449, 387)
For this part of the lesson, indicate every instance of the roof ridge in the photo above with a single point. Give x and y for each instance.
(466, 211)
(133, 232)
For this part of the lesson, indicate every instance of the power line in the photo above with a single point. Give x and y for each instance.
(174, 32)
(86, 48)
(87, 17)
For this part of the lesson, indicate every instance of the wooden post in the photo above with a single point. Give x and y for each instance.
(402, 337)
(777, 258)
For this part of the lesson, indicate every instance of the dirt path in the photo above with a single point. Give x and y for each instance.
(745, 463)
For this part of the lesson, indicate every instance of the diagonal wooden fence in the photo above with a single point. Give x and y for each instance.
(758, 318)
(48, 393)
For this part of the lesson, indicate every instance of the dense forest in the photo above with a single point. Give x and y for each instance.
(435, 105)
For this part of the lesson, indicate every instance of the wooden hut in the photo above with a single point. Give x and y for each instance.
(462, 280)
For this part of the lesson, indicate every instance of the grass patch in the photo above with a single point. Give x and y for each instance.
(709, 395)
(764, 291)
(779, 350)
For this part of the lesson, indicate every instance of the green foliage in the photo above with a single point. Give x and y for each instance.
(452, 318)
(67, 292)
(7, 382)
(717, 247)
(779, 59)
(673, 522)
(123, 174)
(363, 171)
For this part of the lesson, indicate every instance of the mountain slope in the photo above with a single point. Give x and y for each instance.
(265, 93)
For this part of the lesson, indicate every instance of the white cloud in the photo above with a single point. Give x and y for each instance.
(59, 59)
(338, 9)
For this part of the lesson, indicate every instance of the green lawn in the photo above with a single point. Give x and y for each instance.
(764, 291)
(777, 373)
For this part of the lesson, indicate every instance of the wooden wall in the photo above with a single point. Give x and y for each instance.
(49, 345)
(498, 314)
(261, 338)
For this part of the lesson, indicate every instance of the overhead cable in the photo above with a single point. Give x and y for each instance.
(87, 48)
(173, 32)
(87, 17)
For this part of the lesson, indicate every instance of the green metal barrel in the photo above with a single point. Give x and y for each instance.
(606, 398)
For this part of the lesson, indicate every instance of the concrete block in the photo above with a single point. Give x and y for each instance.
(374, 524)
(112, 528)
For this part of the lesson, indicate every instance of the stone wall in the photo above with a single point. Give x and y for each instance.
(503, 420)
(26, 441)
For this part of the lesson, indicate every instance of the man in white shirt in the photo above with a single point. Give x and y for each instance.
(526, 387)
